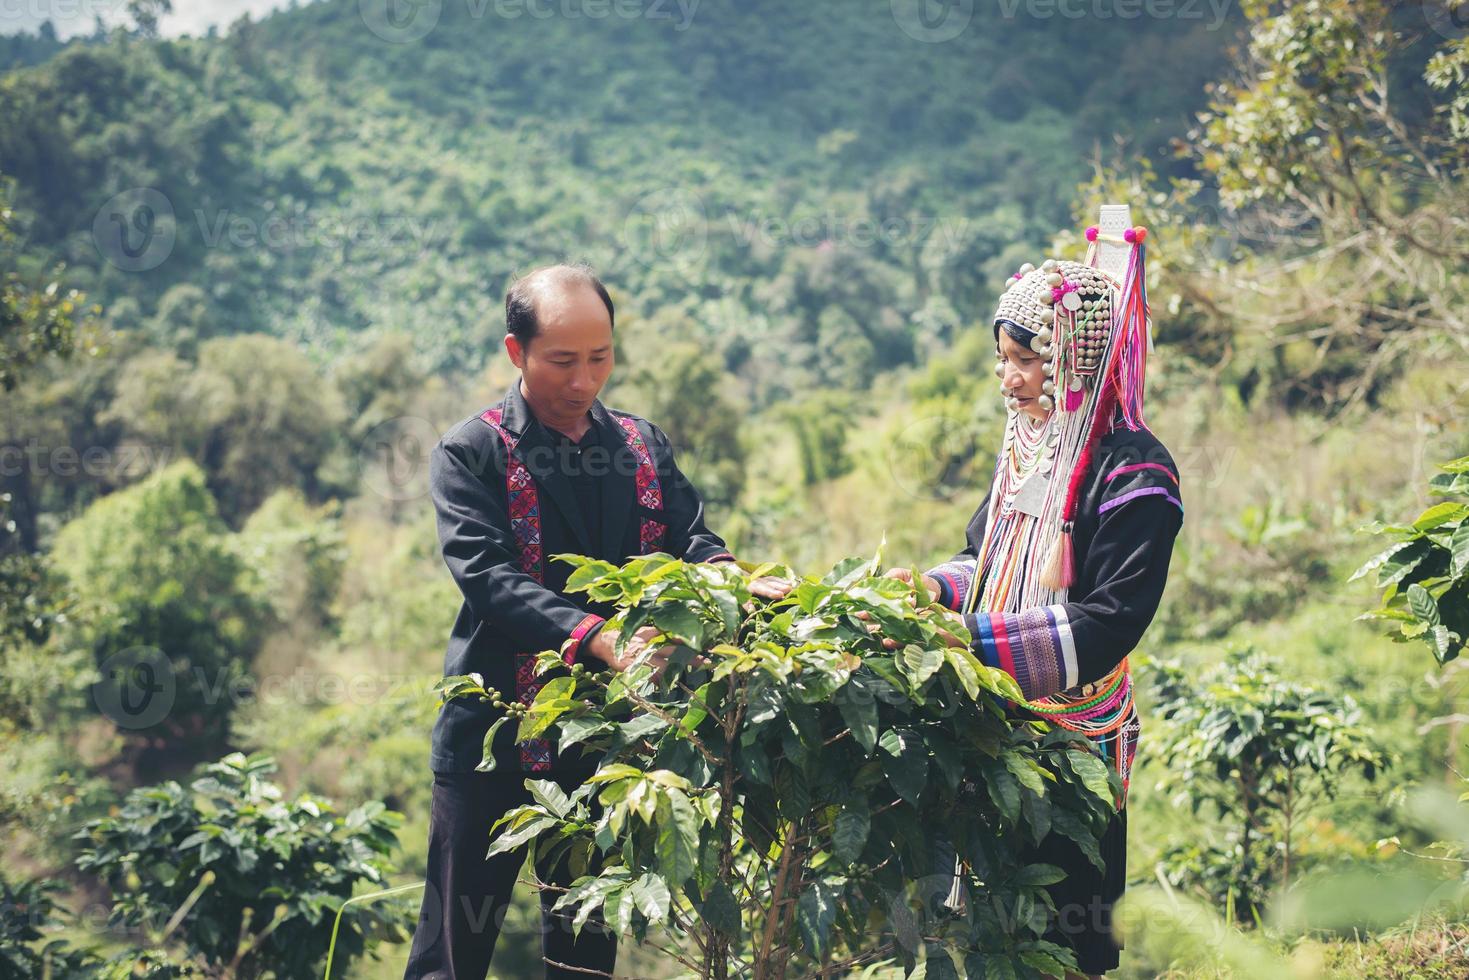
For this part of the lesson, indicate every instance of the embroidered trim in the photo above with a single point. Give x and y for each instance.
(525, 523)
(1140, 492)
(956, 577)
(1035, 646)
(651, 533)
(1135, 467)
(524, 502)
(579, 634)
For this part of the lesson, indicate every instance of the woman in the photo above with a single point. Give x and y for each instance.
(1068, 554)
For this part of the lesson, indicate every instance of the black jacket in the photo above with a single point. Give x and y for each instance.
(505, 610)
(1127, 518)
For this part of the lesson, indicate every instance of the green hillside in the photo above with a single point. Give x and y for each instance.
(326, 185)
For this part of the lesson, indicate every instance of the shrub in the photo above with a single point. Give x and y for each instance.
(788, 796)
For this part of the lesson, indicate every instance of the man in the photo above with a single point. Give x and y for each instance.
(547, 471)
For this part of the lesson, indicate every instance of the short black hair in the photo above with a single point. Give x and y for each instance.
(520, 300)
(1017, 333)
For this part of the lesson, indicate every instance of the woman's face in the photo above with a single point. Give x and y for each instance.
(1023, 375)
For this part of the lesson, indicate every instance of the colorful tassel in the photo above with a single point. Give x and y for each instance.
(1060, 570)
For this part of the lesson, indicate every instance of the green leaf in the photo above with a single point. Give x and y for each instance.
(1037, 875)
(652, 897)
(1445, 642)
(721, 910)
(1070, 825)
(678, 620)
(966, 667)
(487, 753)
(1449, 485)
(1026, 771)
(591, 572)
(577, 730)
(543, 715)
(526, 832)
(1045, 963)
(904, 762)
(1037, 812)
(697, 711)
(1402, 563)
(1438, 514)
(815, 914)
(919, 664)
(1422, 605)
(857, 704)
(938, 965)
(845, 572)
(550, 796)
(678, 838)
(1004, 791)
(849, 832)
(1459, 551)
(1378, 560)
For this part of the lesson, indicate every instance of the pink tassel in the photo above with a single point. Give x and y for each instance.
(1074, 399)
(1060, 570)
(1132, 340)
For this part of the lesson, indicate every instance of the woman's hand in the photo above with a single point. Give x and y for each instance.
(949, 638)
(906, 575)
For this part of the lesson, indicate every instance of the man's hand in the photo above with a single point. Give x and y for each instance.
(906, 575)
(603, 646)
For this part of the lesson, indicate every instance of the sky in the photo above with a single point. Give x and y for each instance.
(71, 17)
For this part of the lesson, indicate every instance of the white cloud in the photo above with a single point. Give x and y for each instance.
(72, 17)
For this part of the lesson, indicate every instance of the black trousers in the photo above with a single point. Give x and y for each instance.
(466, 897)
(1085, 898)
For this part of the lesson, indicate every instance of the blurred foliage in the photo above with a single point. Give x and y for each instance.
(157, 576)
(296, 553)
(252, 877)
(1259, 751)
(28, 914)
(36, 319)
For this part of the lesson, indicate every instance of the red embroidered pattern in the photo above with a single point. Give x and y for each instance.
(525, 524)
(651, 533)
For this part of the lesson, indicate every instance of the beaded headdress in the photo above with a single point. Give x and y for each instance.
(1093, 328)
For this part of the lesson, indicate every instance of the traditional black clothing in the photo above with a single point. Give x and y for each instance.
(509, 494)
(1068, 555)
(1130, 514)
(496, 506)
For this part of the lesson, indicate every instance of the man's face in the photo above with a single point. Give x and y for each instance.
(1023, 375)
(564, 367)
